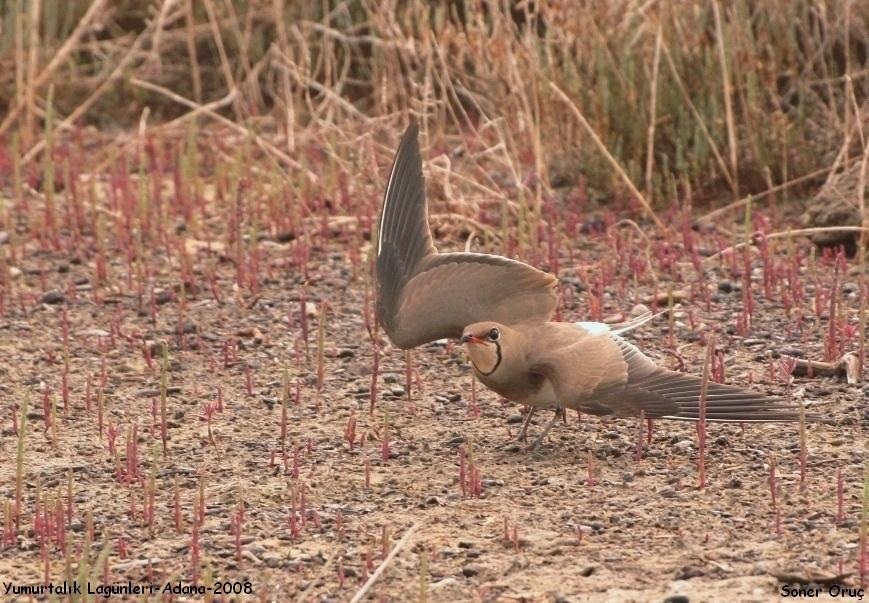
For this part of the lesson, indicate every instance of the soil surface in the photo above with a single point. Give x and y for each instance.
(540, 529)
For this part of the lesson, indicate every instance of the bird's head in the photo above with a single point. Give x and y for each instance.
(484, 344)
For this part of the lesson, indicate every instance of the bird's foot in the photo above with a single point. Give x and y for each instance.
(538, 441)
(522, 438)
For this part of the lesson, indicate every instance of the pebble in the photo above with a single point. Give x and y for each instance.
(514, 419)
(469, 571)
(189, 327)
(727, 287)
(573, 282)
(751, 343)
(52, 297)
(639, 310)
(677, 599)
(272, 559)
(163, 297)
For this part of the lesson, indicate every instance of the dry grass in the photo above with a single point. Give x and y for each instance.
(775, 87)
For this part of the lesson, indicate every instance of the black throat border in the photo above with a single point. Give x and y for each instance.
(497, 361)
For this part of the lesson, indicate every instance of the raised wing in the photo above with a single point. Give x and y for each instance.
(422, 295)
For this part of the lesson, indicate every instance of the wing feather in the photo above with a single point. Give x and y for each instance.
(422, 295)
(633, 383)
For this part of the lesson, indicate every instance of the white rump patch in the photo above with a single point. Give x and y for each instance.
(595, 328)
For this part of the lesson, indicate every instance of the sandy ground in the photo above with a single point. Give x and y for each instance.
(647, 531)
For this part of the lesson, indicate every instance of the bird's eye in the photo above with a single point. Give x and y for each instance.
(494, 334)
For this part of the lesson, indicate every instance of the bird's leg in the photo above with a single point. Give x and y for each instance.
(523, 433)
(559, 412)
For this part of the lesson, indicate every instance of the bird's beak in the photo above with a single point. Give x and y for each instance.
(470, 339)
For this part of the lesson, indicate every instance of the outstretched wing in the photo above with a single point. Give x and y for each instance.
(423, 295)
(617, 378)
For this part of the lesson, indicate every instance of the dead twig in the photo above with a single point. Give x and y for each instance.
(382, 567)
(265, 145)
(847, 366)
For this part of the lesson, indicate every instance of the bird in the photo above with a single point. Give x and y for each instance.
(501, 311)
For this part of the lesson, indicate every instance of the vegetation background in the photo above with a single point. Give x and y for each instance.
(709, 98)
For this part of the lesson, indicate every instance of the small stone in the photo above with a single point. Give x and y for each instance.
(272, 559)
(397, 391)
(575, 283)
(677, 599)
(52, 297)
(751, 343)
(189, 327)
(727, 287)
(469, 571)
(164, 297)
(639, 310)
(514, 419)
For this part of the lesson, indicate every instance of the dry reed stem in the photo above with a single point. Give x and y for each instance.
(360, 594)
(116, 74)
(189, 30)
(266, 146)
(305, 81)
(653, 112)
(154, 54)
(785, 233)
(32, 64)
(728, 101)
(842, 156)
(602, 147)
(862, 250)
(700, 123)
(56, 61)
(20, 95)
(284, 48)
(224, 59)
(755, 196)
